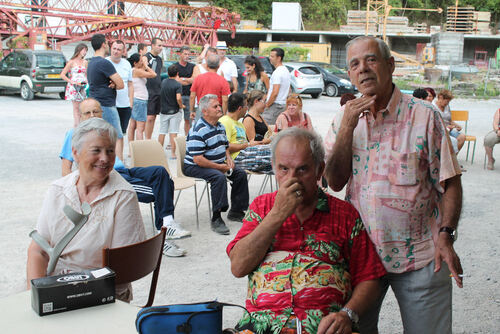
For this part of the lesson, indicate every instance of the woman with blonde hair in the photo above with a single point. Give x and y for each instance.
(75, 89)
(293, 115)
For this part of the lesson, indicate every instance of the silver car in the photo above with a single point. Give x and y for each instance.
(305, 79)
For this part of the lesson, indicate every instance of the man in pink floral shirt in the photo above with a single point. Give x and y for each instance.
(394, 154)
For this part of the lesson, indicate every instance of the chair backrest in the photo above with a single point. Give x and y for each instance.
(145, 153)
(180, 153)
(460, 116)
(135, 261)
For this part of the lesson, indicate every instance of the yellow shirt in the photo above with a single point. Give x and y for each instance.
(235, 132)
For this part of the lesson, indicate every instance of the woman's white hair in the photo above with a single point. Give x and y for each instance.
(315, 143)
(93, 124)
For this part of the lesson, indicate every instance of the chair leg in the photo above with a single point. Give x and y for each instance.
(177, 199)
(207, 186)
(473, 152)
(196, 205)
(467, 156)
(152, 216)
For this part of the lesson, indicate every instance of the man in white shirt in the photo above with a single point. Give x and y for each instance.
(227, 66)
(125, 96)
(279, 87)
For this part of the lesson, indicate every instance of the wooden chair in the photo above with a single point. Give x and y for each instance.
(180, 153)
(463, 116)
(146, 153)
(133, 262)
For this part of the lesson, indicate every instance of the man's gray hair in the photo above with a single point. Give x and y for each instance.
(213, 61)
(205, 101)
(315, 142)
(383, 48)
(96, 124)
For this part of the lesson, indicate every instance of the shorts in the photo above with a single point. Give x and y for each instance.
(170, 123)
(124, 114)
(271, 114)
(491, 139)
(154, 105)
(139, 110)
(185, 102)
(110, 115)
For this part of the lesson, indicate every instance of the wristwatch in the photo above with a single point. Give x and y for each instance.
(451, 231)
(351, 314)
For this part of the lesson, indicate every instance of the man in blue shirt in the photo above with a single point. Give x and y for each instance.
(150, 183)
(208, 157)
(103, 83)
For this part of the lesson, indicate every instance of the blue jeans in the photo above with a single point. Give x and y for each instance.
(218, 187)
(110, 115)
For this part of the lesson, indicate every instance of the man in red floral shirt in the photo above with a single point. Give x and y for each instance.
(310, 264)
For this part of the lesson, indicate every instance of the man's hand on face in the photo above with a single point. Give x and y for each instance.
(354, 108)
(289, 197)
(335, 323)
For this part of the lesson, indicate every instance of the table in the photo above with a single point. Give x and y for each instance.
(18, 317)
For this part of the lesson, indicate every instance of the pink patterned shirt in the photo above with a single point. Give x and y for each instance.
(400, 162)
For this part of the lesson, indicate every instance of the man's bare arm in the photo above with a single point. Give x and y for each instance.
(224, 104)
(37, 263)
(274, 94)
(201, 161)
(248, 253)
(66, 166)
(339, 165)
(451, 208)
(118, 81)
(363, 297)
(234, 80)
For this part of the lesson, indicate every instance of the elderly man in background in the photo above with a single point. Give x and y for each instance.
(209, 83)
(208, 157)
(227, 66)
(115, 219)
(311, 266)
(394, 154)
(150, 183)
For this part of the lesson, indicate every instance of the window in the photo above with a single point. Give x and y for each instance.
(8, 61)
(49, 60)
(22, 61)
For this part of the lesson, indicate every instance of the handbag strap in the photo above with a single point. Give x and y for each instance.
(215, 305)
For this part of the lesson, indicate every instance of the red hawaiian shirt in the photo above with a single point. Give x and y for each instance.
(310, 268)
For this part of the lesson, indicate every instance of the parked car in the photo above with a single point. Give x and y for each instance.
(305, 79)
(33, 71)
(336, 80)
(239, 60)
(164, 69)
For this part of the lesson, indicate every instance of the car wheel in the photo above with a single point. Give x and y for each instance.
(26, 92)
(62, 95)
(315, 95)
(332, 90)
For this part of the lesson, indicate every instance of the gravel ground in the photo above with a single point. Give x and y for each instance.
(31, 134)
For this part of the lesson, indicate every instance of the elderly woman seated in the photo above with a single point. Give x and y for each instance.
(115, 219)
(491, 139)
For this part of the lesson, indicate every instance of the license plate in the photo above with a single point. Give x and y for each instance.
(54, 89)
(53, 76)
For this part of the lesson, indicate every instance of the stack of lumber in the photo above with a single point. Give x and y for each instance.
(356, 21)
(420, 28)
(395, 25)
(482, 23)
(460, 19)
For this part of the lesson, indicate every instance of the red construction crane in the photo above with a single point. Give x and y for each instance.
(133, 21)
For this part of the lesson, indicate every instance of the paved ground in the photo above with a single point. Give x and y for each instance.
(31, 133)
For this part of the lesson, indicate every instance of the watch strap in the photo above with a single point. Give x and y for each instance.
(351, 314)
(450, 230)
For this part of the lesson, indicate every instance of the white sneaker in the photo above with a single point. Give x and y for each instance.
(175, 231)
(172, 250)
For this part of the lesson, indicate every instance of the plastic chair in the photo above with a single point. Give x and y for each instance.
(133, 262)
(146, 153)
(463, 116)
(180, 153)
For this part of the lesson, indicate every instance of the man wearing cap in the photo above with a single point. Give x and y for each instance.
(227, 66)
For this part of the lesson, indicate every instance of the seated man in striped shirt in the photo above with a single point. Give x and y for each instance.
(208, 157)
